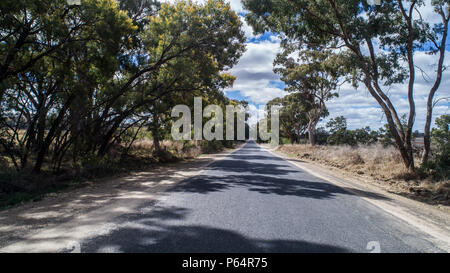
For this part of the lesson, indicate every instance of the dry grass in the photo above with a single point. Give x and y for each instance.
(377, 164)
(21, 187)
(178, 149)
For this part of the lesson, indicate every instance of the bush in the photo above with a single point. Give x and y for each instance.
(211, 146)
(338, 132)
(439, 165)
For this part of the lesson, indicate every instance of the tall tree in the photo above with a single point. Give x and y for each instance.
(339, 133)
(315, 77)
(437, 38)
(31, 30)
(293, 116)
(78, 78)
(377, 39)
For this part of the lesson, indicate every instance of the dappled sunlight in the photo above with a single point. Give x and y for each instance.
(42, 215)
(77, 214)
(197, 212)
(261, 172)
(113, 198)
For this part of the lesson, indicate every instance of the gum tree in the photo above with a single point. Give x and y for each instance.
(76, 80)
(376, 39)
(315, 77)
(292, 115)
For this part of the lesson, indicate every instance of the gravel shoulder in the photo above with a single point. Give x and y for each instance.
(432, 220)
(59, 221)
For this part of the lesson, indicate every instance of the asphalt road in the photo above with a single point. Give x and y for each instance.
(253, 201)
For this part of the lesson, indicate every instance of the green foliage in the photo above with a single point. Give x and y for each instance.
(373, 43)
(440, 163)
(321, 135)
(84, 81)
(384, 134)
(322, 25)
(80, 84)
(365, 136)
(292, 115)
(338, 132)
(314, 76)
(441, 133)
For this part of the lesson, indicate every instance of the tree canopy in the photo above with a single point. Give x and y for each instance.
(75, 79)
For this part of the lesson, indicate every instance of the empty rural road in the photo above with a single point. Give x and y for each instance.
(253, 201)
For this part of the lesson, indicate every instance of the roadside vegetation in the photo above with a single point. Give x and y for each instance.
(87, 90)
(376, 164)
(372, 155)
(141, 156)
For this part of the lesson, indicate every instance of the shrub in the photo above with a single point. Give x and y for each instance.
(439, 165)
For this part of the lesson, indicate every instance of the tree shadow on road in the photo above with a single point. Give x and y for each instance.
(252, 169)
(230, 166)
(269, 185)
(151, 233)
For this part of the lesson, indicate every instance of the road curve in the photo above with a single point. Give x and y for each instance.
(254, 201)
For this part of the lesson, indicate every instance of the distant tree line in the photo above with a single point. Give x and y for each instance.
(294, 128)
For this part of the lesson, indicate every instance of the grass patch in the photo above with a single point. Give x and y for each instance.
(381, 165)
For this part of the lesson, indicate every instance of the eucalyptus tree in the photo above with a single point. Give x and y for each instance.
(338, 132)
(293, 116)
(187, 47)
(75, 79)
(31, 30)
(377, 39)
(315, 76)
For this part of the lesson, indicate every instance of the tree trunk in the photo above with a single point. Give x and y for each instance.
(426, 135)
(311, 133)
(50, 136)
(437, 82)
(402, 143)
(156, 140)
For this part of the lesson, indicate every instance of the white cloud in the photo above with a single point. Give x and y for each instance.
(255, 81)
(427, 12)
(248, 30)
(255, 78)
(255, 113)
(236, 5)
(361, 109)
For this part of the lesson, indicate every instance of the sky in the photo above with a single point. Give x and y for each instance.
(257, 83)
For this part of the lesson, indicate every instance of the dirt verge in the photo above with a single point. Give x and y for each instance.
(432, 220)
(377, 165)
(60, 220)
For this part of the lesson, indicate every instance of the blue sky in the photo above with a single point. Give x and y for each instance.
(257, 83)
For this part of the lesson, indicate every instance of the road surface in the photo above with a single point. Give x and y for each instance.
(254, 201)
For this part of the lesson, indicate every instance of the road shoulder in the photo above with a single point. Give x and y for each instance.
(431, 221)
(62, 220)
